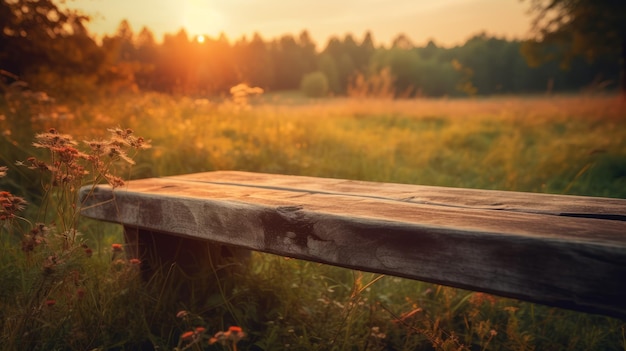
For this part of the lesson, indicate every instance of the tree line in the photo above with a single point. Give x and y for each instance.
(51, 49)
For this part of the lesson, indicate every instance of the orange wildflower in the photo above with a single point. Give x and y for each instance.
(235, 329)
(187, 335)
(116, 247)
(235, 333)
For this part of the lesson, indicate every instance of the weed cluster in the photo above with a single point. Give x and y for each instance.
(56, 292)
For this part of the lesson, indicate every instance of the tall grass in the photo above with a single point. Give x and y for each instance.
(564, 145)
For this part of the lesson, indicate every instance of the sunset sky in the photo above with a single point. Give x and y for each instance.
(447, 22)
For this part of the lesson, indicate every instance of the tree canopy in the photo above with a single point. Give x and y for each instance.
(42, 35)
(565, 29)
(52, 50)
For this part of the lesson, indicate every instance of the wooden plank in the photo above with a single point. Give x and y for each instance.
(577, 206)
(564, 251)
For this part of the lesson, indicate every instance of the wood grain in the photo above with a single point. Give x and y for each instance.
(565, 251)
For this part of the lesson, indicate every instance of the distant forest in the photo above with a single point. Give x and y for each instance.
(53, 51)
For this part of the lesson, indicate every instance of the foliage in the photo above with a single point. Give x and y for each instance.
(585, 27)
(291, 60)
(50, 46)
(52, 51)
(45, 34)
(314, 84)
(182, 65)
(588, 28)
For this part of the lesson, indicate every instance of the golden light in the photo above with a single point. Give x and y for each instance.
(200, 16)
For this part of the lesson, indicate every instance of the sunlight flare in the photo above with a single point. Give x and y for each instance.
(201, 17)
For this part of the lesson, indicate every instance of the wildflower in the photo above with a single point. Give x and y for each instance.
(37, 234)
(68, 154)
(50, 302)
(116, 247)
(114, 181)
(511, 309)
(241, 92)
(200, 330)
(116, 153)
(52, 139)
(80, 293)
(88, 252)
(35, 164)
(478, 299)
(33, 239)
(235, 329)
(96, 146)
(125, 137)
(220, 337)
(187, 335)
(135, 261)
(182, 314)
(49, 264)
(377, 334)
(235, 333)
(10, 205)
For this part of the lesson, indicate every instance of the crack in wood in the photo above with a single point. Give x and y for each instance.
(604, 216)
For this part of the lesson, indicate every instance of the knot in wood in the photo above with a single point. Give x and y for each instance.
(287, 222)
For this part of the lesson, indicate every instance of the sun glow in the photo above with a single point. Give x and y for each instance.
(200, 17)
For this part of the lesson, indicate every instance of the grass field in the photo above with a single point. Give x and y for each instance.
(563, 145)
(568, 145)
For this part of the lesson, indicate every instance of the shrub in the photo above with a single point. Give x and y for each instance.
(314, 84)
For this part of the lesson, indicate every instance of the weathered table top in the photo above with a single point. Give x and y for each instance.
(566, 251)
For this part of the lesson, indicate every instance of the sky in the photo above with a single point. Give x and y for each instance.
(446, 22)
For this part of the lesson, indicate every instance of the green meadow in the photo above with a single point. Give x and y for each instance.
(563, 145)
(573, 144)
